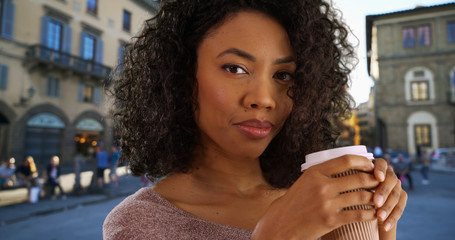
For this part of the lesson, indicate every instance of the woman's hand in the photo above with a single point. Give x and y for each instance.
(389, 198)
(313, 205)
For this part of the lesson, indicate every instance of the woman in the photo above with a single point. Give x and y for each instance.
(53, 177)
(27, 175)
(225, 98)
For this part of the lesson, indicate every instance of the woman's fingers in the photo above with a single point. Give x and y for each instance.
(390, 199)
(359, 180)
(357, 198)
(393, 208)
(345, 163)
(380, 169)
(385, 188)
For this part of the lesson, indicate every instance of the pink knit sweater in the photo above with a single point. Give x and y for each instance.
(147, 215)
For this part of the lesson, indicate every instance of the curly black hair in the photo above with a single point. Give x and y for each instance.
(155, 98)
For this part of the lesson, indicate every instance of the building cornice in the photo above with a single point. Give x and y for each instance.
(52, 11)
(91, 28)
(416, 55)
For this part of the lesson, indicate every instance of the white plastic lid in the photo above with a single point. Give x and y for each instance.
(322, 156)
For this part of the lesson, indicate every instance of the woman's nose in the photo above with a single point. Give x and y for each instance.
(259, 95)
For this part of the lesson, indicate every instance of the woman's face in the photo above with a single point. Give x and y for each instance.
(244, 69)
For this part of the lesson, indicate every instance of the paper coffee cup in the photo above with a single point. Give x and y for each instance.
(354, 231)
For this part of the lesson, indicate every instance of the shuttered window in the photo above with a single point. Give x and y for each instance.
(7, 18)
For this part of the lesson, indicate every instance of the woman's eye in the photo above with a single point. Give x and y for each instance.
(284, 76)
(234, 69)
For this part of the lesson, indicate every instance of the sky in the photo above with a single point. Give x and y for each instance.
(354, 12)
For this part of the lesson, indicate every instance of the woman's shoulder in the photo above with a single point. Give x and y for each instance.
(135, 215)
(147, 215)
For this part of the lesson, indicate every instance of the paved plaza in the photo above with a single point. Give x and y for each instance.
(429, 212)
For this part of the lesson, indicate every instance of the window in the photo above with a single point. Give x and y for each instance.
(419, 86)
(53, 87)
(419, 73)
(419, 91)
(91, 48)
(451, 32)
(56, 34)
(6, 18)
(3, 77)
(408, 37)
(423, 37)
(126, 21)
(422, 135)
(92, 7)
(89, 94)
(121, 55)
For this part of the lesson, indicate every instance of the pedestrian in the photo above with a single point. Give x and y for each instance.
(425, 167)
(7, 170)
(402, 168)
(223, 99)
(102, 161)
(113, 176)
(27, 175)
(388, 159)
(52, 175)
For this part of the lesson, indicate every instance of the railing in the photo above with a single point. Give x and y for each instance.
(65, 60)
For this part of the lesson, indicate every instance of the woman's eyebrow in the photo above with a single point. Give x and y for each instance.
(285, 60)
(250, 57)
(239, 53)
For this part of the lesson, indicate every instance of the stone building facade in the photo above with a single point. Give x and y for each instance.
(55, 58)
(411, 57)
(366, 123)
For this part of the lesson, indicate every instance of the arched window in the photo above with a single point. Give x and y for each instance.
(419, 85)
(422, 131)
(44, 137)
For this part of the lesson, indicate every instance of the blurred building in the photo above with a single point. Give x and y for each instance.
(366, 124)
(411, 57)
(55, 56)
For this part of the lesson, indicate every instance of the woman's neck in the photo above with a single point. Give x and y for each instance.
(227, 172)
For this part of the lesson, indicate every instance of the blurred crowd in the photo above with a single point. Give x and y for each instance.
(402, 164)
(27, 175)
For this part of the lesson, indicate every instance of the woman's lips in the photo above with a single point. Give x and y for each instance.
(254, 128)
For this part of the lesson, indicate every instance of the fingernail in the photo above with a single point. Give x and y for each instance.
(387, 227)
(382, 215)
(381, 176)
(379, 200)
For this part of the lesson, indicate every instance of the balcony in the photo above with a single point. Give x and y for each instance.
(39, 56)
